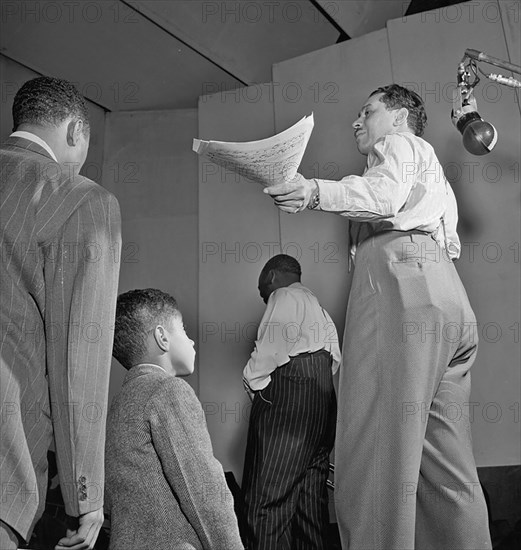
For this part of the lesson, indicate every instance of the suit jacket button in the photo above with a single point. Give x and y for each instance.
(82, 480)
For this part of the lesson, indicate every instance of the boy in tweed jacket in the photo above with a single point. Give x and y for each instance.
(165, 490)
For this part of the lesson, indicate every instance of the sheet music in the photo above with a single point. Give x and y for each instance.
(266, 161)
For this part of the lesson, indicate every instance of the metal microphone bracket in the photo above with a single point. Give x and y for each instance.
(479, 137)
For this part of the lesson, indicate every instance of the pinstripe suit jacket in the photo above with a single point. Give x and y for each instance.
(165, 489)
(60, 246)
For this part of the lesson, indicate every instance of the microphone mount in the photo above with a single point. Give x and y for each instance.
(479, 137)
(483, 57)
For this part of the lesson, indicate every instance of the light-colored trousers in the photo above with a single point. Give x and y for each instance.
(405, 476)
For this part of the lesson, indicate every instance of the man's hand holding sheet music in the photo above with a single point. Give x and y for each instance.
(292, 196)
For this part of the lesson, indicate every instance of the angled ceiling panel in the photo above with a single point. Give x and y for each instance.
(118, 58)
(130, 55)
(244, 38)
(358, 17)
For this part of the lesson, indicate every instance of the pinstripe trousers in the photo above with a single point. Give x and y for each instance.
(290, 436)
(405, 476)
(8, 538)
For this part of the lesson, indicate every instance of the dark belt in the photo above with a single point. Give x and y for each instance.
(317, 353)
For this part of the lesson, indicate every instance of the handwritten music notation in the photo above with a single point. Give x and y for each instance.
(266, 161)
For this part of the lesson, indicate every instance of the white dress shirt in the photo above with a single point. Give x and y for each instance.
(293, 323)
(403, 187)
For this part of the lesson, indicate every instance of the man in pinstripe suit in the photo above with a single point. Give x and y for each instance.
(60, 243)
(292, 422)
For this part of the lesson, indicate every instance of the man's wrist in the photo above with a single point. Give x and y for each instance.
(314, 200)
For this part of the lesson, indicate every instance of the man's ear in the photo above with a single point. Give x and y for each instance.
(74, 129)
(401, 116)
(271, 277)
(161, 338)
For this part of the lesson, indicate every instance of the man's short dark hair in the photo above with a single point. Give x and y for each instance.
(282, 263)
(137, 313)
(396, 97)
(47, 101)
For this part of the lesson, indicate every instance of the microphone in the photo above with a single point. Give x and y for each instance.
(479, 137)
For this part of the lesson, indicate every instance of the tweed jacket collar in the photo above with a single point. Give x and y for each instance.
(141, 370)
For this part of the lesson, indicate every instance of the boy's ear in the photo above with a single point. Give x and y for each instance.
(161, 338)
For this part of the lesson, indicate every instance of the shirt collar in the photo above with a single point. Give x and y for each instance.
(296, 284)
(36, 139)
(149, 365)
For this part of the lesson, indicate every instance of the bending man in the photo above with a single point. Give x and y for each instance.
(292, 422)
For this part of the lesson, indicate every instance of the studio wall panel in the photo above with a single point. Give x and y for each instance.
(149, 166)
(510, 18)
(238, 232)
(333, 83)
(488, 193)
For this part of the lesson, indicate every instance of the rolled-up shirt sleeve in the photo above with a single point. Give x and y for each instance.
(383, 188)
(275, 327)
(294, 323)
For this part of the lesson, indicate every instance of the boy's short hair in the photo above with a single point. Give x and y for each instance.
(137, 313)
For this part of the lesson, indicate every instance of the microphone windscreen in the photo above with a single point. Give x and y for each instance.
(479, 137)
